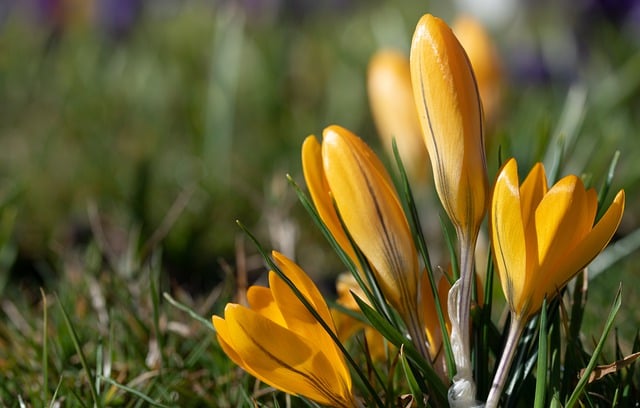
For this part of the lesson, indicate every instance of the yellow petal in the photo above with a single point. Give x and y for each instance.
(508, 236)
(588, 248)
(561, 221)
(297, 316)
(451, 117)
(292, 309)
(394, 111)
(532, 190)
(283, 359)
(222, 333)
(369, 207)
(320, 193)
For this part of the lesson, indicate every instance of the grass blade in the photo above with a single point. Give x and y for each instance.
(543, 349)
(189, 311)
(573, 399)
(133, 391)
(83, 359)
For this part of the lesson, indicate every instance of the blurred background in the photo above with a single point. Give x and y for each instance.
(149, 125)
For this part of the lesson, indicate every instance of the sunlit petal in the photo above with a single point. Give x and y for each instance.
(589, 247)
(508, 235)
(532, 190)
(370, 209)
(282, 358)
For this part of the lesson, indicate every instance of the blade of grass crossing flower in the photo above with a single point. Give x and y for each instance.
(135, 392)
(584, 379)
(418, 237)
(543, 349)
(606, 184)
(415, 389)
(370, 287)
(399, 340)
(45, 355)
(272, 265)
(81, 356)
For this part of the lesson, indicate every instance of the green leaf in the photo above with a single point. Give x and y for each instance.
(418, 236)
(399, 340)
(411, 380)
(133, 391)
(577, 392)
(541, 372)
(81, 356)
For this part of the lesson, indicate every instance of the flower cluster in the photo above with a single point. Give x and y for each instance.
(541, 237)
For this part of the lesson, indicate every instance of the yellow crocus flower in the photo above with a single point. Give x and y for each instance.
(543, 237)
(277, 340)
(371, 211)
(451, 116)
(394, 111)
(450, 112)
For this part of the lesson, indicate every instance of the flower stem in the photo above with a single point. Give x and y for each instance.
(462, 391)
(515, 330)
(467, 248)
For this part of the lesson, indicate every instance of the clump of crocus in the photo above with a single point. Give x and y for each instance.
(485, 61)
(371, 211)
(394, 111)
(541, 238)
(279, 341)
(451, 116)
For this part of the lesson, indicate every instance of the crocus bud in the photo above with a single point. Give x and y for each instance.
(450, 112)
(394, 110)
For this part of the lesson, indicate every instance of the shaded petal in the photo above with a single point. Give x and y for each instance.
(261, 301)
(431, 321)
(320, 194)
(508, 236)
(532, 190)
